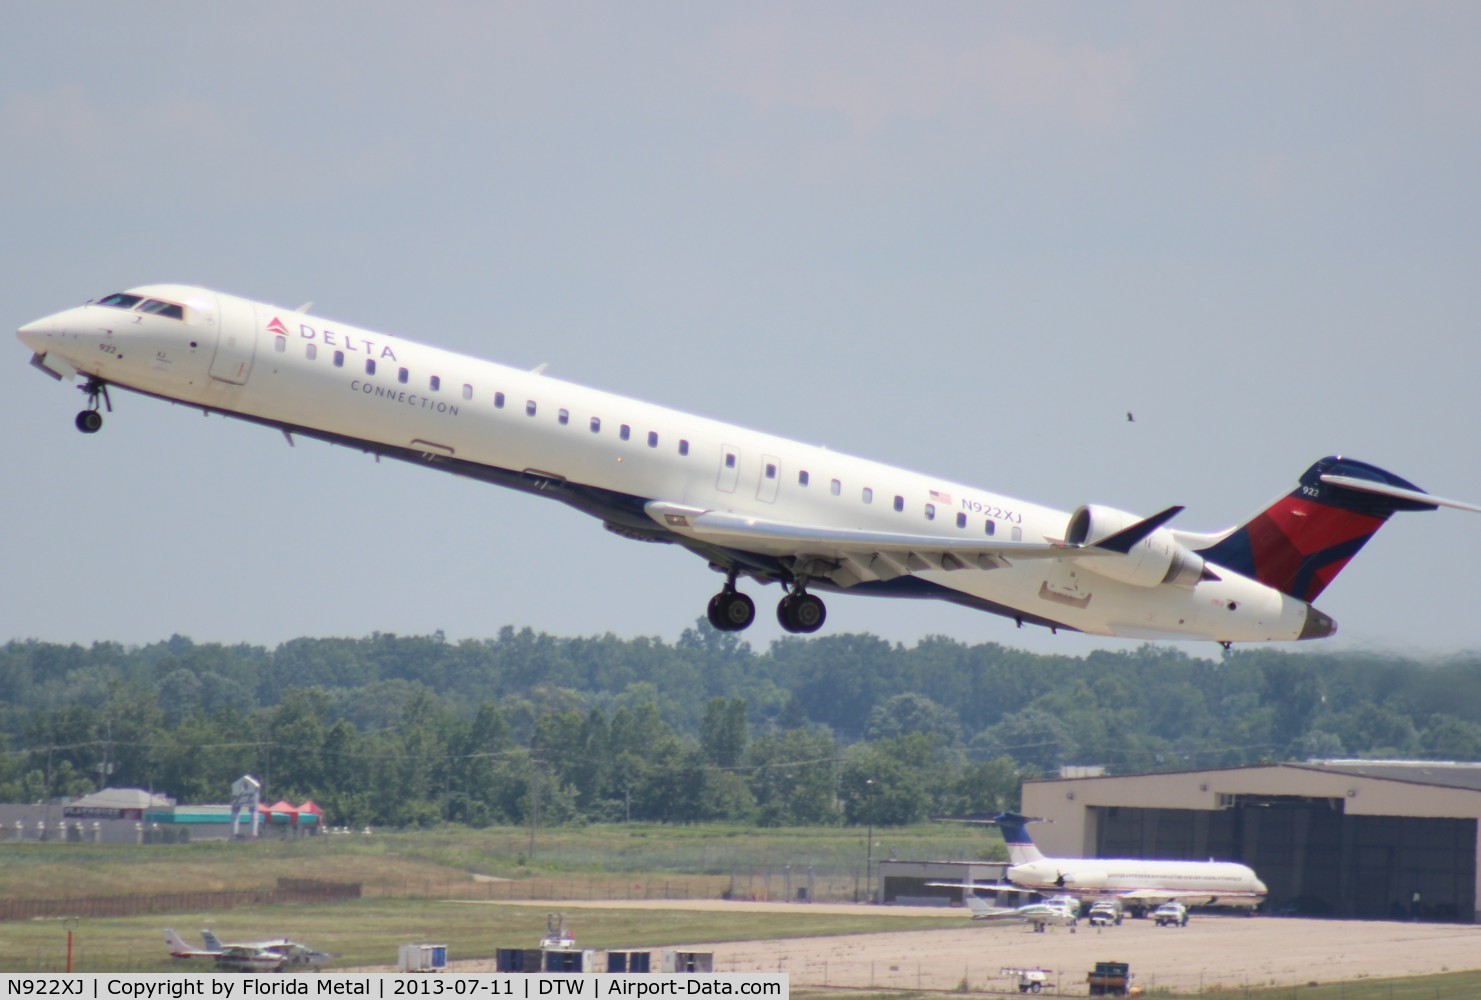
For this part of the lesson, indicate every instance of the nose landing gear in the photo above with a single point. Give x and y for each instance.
(90, 420)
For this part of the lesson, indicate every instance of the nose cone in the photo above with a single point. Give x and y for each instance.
(34, 335)
(1318, 625)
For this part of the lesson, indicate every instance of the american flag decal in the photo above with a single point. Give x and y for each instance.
(939, 497)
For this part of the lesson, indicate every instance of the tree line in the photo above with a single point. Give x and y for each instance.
(417, 730)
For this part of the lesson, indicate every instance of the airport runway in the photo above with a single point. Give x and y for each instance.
(1213, 950)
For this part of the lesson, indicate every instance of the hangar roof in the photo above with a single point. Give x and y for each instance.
(1444, 774)
(1449, 774)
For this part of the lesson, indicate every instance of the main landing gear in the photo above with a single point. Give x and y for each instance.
(799, 611)
(90, 420)
(730, 610)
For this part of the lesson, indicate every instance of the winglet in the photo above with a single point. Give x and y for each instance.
(1123, 540)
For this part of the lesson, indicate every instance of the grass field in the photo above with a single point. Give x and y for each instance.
(390, 862)
(368, 932)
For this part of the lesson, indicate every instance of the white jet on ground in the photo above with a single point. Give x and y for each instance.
(1137, 882)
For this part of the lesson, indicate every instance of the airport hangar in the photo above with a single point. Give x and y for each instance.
(1345, 838)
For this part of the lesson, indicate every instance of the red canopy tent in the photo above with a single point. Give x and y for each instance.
(281, 811)
(309, 813)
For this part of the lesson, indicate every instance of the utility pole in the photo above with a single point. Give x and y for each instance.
(534, 803)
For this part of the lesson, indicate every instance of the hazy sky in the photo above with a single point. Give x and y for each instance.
(961, 237)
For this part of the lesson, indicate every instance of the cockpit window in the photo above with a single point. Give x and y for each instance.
(120, 300)
(158, 308)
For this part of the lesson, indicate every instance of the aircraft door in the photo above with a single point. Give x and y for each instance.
(771, 477)
(236, 340)
(729, 468)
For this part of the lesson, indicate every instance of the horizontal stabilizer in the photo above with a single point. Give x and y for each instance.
(1398, 493)
(1123, 540)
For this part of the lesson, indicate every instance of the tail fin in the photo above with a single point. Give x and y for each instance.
(976, 904)
(1301, 542)
(1021, 849)
(213, 943)
(175, 943)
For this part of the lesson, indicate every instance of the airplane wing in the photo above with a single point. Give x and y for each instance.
(873, 555)
(989, 886)
(1191, 898)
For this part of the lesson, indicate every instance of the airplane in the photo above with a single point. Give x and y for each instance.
(1139, 883)
(273, 955)
(1056, 911)
(753, 505)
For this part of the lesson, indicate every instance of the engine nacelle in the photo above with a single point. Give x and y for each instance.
(1158, 558)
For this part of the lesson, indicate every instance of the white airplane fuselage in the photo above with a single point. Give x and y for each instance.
(1195, 882)
(645, 470)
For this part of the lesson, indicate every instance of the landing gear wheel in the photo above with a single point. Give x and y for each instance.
(731, 611)
(801, 613)
(96, 390)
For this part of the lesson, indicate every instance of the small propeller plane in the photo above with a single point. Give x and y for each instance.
(1056, 911)
(753, 505)
(272, 955)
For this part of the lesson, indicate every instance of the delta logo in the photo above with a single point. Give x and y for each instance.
(276, 326)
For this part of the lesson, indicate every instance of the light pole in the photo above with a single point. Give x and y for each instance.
(869, 846)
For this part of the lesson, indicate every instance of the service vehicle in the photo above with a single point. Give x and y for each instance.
(1104, 912)
(1171, 914)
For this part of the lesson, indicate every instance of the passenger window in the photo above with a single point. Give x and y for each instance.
(868, 495)
(311, 350)
(992, 528)
(120, 301)
(498, 401)
(930, 512)
(730, 460)
(961, 520)
(683, 447)
(370, 366)
(280, 344)
(529, 407)
(339, 359)
(564, 416)
(899, 504)
(802, 478)
(436, 383)
(596, 425)
(624, 432)
(770, 470)
(467, 391)
(402, 376)
(653, 439)
(835, 487)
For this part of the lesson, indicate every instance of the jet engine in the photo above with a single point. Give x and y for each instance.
(1094, 879)
(1158, 558)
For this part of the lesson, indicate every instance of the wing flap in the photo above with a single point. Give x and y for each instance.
(904, 551)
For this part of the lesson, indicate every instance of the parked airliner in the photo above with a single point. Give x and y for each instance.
(754, 505)
(1140, 883)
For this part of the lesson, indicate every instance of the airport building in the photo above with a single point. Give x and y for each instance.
(911, 882)
(1344, 838)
